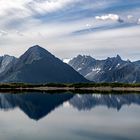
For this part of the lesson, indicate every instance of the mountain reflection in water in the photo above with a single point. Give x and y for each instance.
(35, 105)
(38, 105)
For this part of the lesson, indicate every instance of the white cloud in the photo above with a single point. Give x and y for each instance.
(20, 33)
(3, 33)
(130, 16)
(113, 17)
(88, 25)
(39, 5)
(8, 6)
(20, 9)
(48, 5)
(138, 21)
(30, 30)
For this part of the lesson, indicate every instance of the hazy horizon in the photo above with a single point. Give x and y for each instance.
(66, 60)
(66, 28)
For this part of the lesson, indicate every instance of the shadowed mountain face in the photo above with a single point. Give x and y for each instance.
(109, 70)
(34, 105)
(6, 63)
(39, 105)
(37, 65)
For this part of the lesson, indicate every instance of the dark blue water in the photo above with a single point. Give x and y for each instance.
(44, 116)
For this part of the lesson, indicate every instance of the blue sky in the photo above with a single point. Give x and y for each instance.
(100, 28)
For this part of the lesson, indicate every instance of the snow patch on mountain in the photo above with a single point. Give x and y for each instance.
(67, 60)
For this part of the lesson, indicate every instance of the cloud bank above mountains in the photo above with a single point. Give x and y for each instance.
(99, 28)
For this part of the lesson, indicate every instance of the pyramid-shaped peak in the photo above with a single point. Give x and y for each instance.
(35, 53)
(37, 48)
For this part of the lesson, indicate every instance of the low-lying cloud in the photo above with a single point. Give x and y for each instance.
(113, 17)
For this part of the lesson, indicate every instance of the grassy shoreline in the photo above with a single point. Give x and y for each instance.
(80, 87)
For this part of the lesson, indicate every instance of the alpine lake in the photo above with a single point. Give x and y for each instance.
(67, 116)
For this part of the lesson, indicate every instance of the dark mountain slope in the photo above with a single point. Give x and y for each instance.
(37, 65)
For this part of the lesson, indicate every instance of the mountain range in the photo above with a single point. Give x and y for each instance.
(112, 69)
(37, 65)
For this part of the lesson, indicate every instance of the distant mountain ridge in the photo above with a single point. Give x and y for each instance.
(112, 69)
(37, 65)
(6, 62)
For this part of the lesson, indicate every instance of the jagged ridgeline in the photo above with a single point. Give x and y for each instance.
(109, 70)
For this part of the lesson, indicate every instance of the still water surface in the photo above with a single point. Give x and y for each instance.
(44, 116)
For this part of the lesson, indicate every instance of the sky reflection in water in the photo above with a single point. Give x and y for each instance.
(41, 116)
